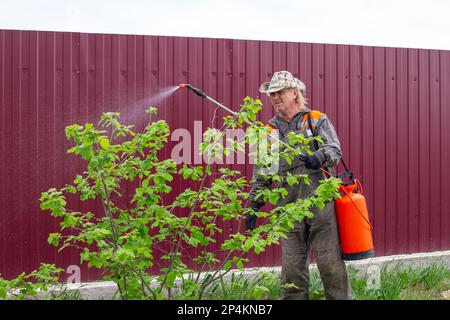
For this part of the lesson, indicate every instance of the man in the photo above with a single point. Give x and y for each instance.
(288, 100)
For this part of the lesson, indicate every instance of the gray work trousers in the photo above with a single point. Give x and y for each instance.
(321, 234)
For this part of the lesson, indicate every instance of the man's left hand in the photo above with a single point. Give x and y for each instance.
(311, 161)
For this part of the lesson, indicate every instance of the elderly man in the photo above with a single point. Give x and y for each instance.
(287, 95)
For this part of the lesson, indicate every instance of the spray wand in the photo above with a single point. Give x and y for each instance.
(200, 93)
(204, 95)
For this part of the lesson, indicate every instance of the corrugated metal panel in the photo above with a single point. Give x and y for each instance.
(390, 107)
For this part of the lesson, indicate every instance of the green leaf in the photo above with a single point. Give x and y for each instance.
(187, 173)
(70, 189)
(159, 179)
(70, 220)
(167, 176)
(228, 265)
(53, 238)
(3, 292)
(309, 215)
(259, 292)
(102, 232)
(288, 159)
(247, 245)
(152, 110)
(124, 255)
(170, 280)
(86, 152)
(291, 180)
(273, 198)
(104, 142)
(193, 242)
(283, 192)
(204, 146)
(320, 204)
(198, 235)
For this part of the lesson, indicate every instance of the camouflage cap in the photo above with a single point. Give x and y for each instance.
(282, 80)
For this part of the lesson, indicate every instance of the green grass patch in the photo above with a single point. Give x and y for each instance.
(404, 282)
(400, 282)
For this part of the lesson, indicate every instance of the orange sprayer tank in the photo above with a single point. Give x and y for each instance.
(355, 230)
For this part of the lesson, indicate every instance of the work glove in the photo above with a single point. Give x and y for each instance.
(311, 161)
(250, 219)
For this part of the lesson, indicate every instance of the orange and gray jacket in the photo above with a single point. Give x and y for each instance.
(329, 154)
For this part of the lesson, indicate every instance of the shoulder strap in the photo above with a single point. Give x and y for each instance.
(316, 144)
(315, 114)
(271, 127)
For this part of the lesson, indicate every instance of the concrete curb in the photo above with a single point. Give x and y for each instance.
(105, 290)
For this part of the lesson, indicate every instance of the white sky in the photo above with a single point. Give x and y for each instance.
(392, 23)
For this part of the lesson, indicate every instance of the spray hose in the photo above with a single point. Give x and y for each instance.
(204, 95)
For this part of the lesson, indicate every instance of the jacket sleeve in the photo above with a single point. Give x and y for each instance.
(259, 182)
(329, 151)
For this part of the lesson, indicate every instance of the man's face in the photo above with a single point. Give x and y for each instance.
(283, 101)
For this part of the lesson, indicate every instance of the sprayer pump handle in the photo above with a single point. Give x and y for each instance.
(344, 175)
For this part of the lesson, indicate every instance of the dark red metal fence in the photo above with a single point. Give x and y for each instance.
(390, 106)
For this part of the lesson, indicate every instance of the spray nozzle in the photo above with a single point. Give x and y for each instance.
(194, 89)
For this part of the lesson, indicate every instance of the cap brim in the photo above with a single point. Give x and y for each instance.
(265, 88)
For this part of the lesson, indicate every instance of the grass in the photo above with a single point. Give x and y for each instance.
(401, 282)
(405, 283)
(396, 283)
(265, 286)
